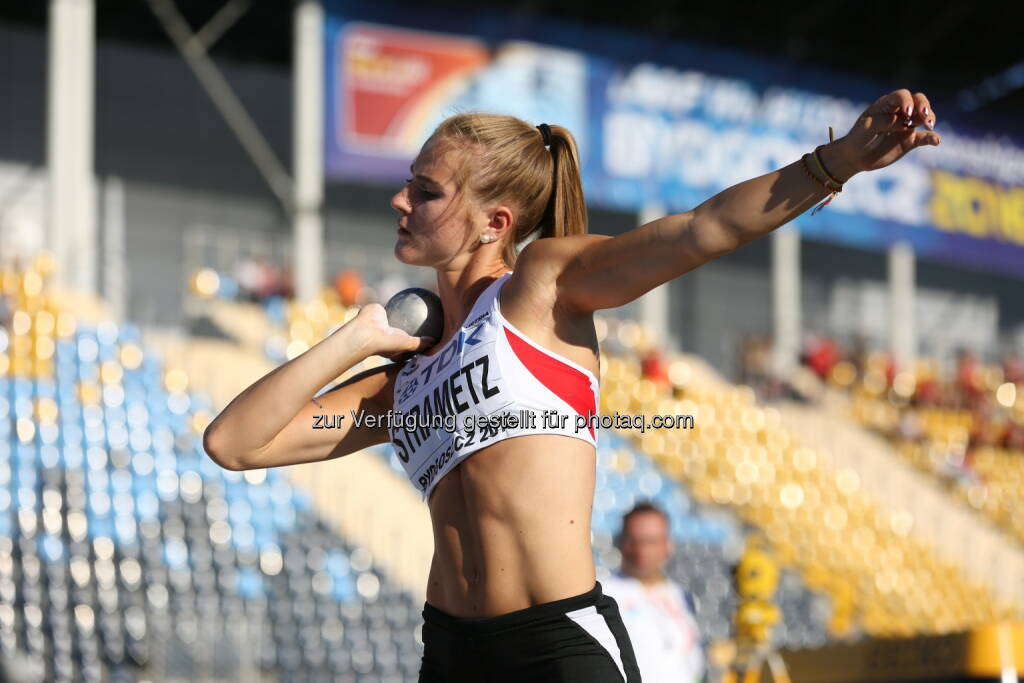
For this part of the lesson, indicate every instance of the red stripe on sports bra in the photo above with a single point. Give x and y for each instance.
(563, 380)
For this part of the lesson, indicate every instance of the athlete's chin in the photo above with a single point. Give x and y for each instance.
(408, 254)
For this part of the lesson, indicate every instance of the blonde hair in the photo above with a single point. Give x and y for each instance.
(506, 160)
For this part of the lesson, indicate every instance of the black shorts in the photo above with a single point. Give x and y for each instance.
(577, 639)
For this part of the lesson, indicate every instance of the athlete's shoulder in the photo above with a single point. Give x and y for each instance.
(555, 253)
(536, 280)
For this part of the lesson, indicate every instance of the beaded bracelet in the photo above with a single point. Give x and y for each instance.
(827, 184)
(833, 186)
(821, 165)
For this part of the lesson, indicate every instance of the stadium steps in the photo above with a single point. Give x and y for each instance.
(896, 486)
(735, 440)
(960, 535)
(247, 323)
(219, 368)
(367, 503)
(359, 496)
(85, 306)
(207, 571)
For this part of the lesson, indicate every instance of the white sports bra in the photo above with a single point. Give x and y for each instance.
(489, 383)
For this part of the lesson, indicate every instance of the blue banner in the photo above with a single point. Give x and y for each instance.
(663, 123)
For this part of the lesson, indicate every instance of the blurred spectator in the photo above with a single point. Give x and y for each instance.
(260, 279)
(890, 369)
(858, 351)
(968, 379)
(6, 311)
(755, 354)
(927, 391)
(652, 367)
(1013, 368)
(909, 427)
(989, 427)
(267, 281)
(348, 283)
(657, 611)
(1014, 439)
(822, 355)
(247, 273)
(285, 284)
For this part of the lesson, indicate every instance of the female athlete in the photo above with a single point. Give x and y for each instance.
(511, 594)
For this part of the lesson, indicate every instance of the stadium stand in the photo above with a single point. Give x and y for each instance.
(881, 578)
(128, 550)
(965, 429)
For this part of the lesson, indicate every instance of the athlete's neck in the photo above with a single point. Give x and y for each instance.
(459, 290)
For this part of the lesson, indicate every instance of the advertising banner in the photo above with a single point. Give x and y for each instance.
(663, 123)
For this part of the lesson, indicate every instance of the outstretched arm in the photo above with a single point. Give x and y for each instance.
(594, 272)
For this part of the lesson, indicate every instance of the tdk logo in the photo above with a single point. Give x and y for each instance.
(434, 364)
(471, 339)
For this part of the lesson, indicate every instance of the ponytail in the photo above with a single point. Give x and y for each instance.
(509, 161)
(566, 212)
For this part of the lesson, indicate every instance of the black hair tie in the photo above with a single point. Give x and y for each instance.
(545, 131)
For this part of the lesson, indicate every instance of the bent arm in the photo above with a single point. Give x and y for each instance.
(271, 423)
(593, 272)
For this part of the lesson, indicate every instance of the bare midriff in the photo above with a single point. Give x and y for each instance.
(512, 527)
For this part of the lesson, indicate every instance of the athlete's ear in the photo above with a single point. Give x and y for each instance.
(500, 221)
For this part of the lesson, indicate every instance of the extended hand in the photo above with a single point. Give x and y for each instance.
(887, 130)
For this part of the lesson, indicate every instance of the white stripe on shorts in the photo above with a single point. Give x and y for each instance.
(591, 621)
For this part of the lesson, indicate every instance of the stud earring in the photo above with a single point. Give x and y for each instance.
(485, 238)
